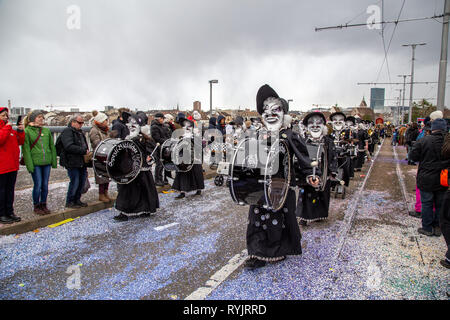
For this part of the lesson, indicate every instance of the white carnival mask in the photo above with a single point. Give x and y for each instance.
(134, 128)
(273, 114)
(338, 122)
(316, 127)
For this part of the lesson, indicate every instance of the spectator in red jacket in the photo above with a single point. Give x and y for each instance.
(10, 141)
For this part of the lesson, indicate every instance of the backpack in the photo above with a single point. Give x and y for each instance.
(59, 146)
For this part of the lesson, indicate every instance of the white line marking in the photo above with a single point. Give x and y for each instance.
(217, 278)
(400, 179)
(166, 226)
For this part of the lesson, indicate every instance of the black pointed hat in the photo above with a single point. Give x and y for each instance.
(336, 113)
(309, 115)
(351, 118)
(267, 92)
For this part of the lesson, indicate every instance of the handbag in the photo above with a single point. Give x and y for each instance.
(22, 160)
(88, 159)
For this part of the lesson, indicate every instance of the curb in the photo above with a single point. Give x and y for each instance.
(94, 206)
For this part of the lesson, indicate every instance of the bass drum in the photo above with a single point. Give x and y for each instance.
(260, 173)
(119, 160)
(171, 155)
(318, 153)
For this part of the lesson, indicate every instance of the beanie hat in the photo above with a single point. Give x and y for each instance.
(439, 124)
(436, 115)
(3, 109)
(34, 114)
(159, 115)
(169, 117)
(100, 117)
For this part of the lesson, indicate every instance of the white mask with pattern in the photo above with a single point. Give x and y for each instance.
(273, 114)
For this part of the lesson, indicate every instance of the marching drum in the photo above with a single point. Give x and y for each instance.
(319, 157)
(119, 160)
(260, 173)
(171, 155)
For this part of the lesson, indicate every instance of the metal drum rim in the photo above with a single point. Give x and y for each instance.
(266, 185)
(107, 159)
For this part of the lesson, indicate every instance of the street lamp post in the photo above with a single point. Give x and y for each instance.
(210, 95)
(413, 47)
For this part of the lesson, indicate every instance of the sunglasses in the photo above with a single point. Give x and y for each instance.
(80, 122)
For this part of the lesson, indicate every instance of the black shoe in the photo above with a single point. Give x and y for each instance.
(166, 182)
(303, 223)
(160, 184)
(180, 196)
(81, 204)
(198, 193)
(72, 205)
(121, 217)
(15, 218)
(445, 263)
(437, 231)
(6, 220)
(415, 214)
(253, 263)
(425, 232)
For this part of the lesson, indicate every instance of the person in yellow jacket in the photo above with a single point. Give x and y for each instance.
(39, 154)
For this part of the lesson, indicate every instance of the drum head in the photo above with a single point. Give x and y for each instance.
(172, 155)
(260, 174)
(119, 160)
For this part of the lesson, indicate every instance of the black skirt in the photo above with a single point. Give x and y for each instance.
(273, 235)
(315, 204)
(189, 181)
(139, 196)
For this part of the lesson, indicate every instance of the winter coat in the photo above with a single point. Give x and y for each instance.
(120, 129)
(212, 123)
(43, 152)
(427, 151)
(97, 135)
(446, 148)
(74, 146)
(160, 132)
(10, 140)
(220, 127)
(411, 135)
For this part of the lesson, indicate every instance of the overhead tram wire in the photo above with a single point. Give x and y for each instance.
(382, 22)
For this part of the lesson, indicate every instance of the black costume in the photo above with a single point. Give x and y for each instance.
(140, 195)
(273, 235)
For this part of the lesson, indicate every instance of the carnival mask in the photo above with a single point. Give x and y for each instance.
(338, 122)
(316, 127)
(273, 114)
(134, 128)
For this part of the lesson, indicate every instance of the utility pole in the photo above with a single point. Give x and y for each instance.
(443, 62)
(400, 114)
(210, 96)
(413, 47)
(404, 91)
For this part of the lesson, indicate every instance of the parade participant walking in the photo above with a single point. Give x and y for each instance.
(39, 154)
(98, 133)
(427, 151)
(139, 197)
(271, 236)
(10, 140)
(363, 145)
(193, 179)
(74, 147)
(315, 203)
(160, 132)
(444, 215)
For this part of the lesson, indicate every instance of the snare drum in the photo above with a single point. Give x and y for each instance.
(118, 160)
(171, 155)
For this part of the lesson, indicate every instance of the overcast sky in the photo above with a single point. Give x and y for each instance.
(157, 53)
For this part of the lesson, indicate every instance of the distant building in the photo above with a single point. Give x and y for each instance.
(108, 108)
(74, 110)
(197, 106)
(377, 99)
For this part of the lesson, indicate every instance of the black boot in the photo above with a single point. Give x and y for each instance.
(180, 196)
(199, 192)
(121, 217)
(253, 263)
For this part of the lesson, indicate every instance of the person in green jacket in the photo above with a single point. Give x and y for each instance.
(39, 159)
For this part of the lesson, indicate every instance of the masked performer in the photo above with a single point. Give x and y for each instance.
(315, 201)
(363, 145)
(340, 137)
(352, 139)
(271, 235)
(191, 180)
(139, 197)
